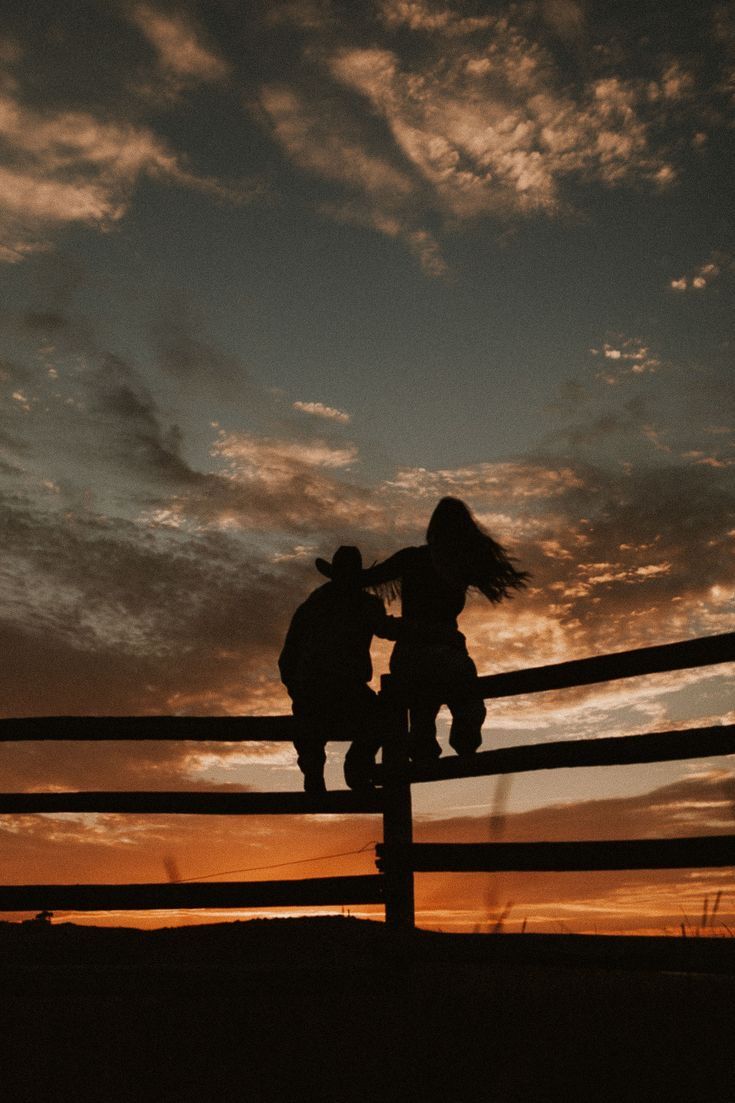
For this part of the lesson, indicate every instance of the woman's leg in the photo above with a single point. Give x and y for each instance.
(422, 742)
(415, 668)
(465, 704)
(366, 723)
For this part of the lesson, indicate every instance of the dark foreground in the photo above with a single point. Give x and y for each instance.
(341, 1009)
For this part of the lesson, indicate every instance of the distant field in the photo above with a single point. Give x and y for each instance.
(341, 1009)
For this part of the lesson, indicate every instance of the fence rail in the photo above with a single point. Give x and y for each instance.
(398, 856)
(661, 659)
(338, 803)
(702, 852)
(313, 892)
(623, 750)
(218, 729)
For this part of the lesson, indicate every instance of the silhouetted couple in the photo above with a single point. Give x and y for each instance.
(325, 663)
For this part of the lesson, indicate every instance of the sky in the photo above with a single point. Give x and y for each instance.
(275, 277)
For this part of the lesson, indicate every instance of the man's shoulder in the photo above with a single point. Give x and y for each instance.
(314, 601)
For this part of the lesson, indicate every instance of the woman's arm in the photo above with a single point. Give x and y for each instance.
(390, 570)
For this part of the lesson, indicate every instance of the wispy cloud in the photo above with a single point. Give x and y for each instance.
(481, 120)
(179, 44)
(71, 167)
(327, 143)
(318, 409)
(248, 455)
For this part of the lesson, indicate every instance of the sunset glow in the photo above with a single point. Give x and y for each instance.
(276, 277)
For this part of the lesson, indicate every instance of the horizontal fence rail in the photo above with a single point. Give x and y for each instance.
(338, 802)
(217, 729)
(706, 851)
(706, 651)
(623, 750)
(315, 891)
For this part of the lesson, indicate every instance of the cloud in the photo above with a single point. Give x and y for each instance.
(318, 409)
(323, 141)
(723, 26)
(431, 18)
(503, 116)
(565, 17)
(119, 616)
(480, 120)
(179, 45)
(199, 368)
(306, 15)
(519, 480)
(127, 534)
(492, 130)
(71, 167)
(127, 418)
(700, 278)
(702, 803)
(629, 355)
(320, 144)
(276, 460)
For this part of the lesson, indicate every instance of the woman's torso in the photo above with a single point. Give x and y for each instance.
(425, 595)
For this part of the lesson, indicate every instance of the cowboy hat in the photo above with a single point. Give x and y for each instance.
(346, 565)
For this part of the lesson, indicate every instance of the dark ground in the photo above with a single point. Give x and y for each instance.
(342, 1009)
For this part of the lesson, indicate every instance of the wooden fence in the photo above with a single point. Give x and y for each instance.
(398, 857)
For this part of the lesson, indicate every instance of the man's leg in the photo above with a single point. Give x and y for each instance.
(310, 749)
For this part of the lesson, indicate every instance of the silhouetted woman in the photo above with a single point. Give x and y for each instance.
(431, 659)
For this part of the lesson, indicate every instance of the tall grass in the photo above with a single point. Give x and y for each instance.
(706, 927)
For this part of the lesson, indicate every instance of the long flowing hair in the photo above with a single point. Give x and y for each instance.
(464, 554)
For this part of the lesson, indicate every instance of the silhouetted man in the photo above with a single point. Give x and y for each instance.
(325, 665)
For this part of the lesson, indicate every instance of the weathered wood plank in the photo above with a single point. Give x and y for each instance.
(690, 853)
(624, 750)
(705, 651)
(338, 802)
(221, 729)
(225, 894)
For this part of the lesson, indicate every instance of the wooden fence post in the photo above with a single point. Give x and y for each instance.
(397, 813)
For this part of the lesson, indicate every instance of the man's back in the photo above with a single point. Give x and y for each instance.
(325, 665)
(329, 638)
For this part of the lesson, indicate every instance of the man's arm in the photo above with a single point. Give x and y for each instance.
(383, 625)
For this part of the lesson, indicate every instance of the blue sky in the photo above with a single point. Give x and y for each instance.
(277, 276)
